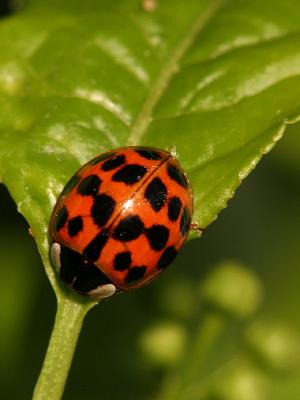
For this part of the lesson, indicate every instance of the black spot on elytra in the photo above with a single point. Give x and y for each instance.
(71, 263)
(156, 193)
(93, 250)
(90, 278)
(71, 184)
(167, 257)
(149, 154)
(61, 218)
(75, 225)
(129, 228)
(122, 261)
(174, 208)
(102, 157)
(102, 209)
(130, 174)
(185, 221)
(135, 274)
(114, 162)
(158, 236)
(89, 186)
(177, 175)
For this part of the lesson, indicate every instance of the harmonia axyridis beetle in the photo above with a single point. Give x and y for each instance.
(120, 220)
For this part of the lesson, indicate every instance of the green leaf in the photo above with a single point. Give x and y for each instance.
(216, 79)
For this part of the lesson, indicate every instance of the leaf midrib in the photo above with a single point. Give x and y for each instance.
(143, 119)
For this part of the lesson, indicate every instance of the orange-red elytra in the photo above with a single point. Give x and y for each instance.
(120, 220)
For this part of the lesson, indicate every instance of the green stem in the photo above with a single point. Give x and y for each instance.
(62, 344)
(178, 385)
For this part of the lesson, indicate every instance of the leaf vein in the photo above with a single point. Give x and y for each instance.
(143, 119)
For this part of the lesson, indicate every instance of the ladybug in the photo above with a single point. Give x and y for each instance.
(120, 220)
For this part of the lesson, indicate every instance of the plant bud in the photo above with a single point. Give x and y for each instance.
(233, 288)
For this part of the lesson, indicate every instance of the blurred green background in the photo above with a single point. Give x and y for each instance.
(132, 345)
(136, 346)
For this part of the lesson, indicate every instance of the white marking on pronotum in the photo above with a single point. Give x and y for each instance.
(55, 255)
(101, 292)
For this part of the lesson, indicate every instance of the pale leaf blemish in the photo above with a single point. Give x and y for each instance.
(102, 126)
(50, 149)
(206, 154)
(57, 132)
(83, 124)
(12, 78)
(70, 141)
(240, 41)
(101, 98)
(54, 186)
(269, 30)
(151, 31)
(270, 75)
(81, 150)
(51, 193)
(267, 76)
(203, 83)
(24, 205)
(123, 56)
